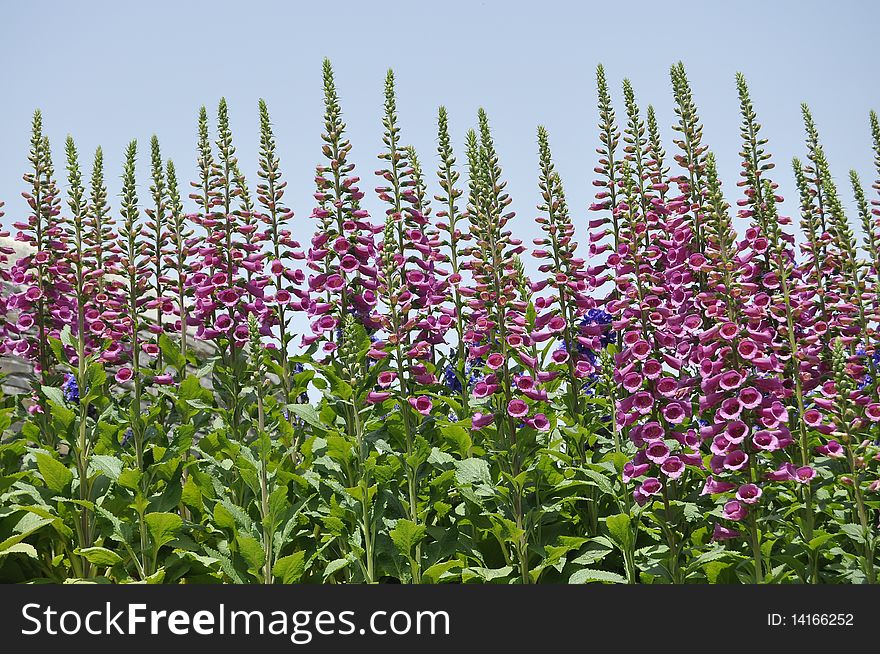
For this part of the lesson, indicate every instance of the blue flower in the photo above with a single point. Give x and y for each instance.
(474, 370)
(867, 379)
(127, 437)
(70, 389)
(600, 317)
(450, 379)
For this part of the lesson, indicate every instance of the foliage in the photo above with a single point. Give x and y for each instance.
(667, 401)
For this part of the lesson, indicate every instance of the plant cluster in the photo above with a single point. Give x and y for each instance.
(395, 399)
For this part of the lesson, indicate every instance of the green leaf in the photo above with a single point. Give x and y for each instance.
(163, 527)
(434, 574)
(406, 535)
(335, 566)
(100, 556)
(20, 548)
(588, 575)
(819, 540)
(290, 569)
(109, 466)
(156, 578)
(472, 471)
(600, 481)
(592, 554)
(57, 348)
(252, 551)
(54, 473)
(53, 394)
(620, 530)
(485, 574)
(96, 377)
(339, 388)
(130, 478)
(308, 414)
(855, 532)
(223, 518)
(458, 437)
(715, 571)
(171, 351)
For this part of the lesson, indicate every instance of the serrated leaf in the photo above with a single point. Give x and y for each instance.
(818, 541)
(252, 551)
(472, 471)
(435, 573)
(854, 532)
(620, 530)
(163, 527)
(54, 473)
(54, 395)
(308, 414)
(406, 535)
(20, 548)
(109, 466)
(290, 569)
(223, 518)
(485, 574)
(588, 575)
(335, 566)
(100, 556)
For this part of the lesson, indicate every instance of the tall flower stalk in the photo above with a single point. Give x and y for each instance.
(451, 216)
(178, 260)
(78, 386)
(39, 303)
(496, 329)
(276, 216)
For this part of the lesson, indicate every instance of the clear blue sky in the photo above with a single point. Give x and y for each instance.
(107, 72)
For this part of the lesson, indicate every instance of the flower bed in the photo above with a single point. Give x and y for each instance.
(219, 391)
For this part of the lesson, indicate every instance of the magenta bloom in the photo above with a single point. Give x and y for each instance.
(653, 431)
(736, 431)
(386, 378)
(872, 412)
(495, 361)
(632, 381)
(349, 263)
(723, 533)
(766, 440)
(422, 404)
(540, 422)
(643, 402)
(651, 486)
(334, 282)
(480, 420)
(374, 397)
(525, 383)
(730, 409)
(812, 417)
(736, 460)
(832, 449)
(673, 467)
(735, 510)
(674, 413)
(786, 472)
(804, 474)
(123, 375)
(632, 470)
(657, 452)
(730, 380)
(517, 408)
(748, 493)
(749, 397)
(714, 487)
